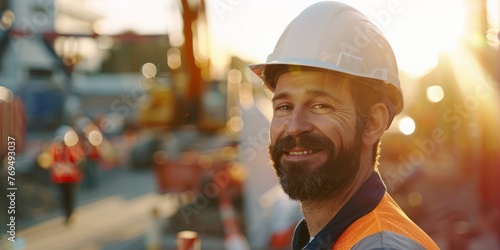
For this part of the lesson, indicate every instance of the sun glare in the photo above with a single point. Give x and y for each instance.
(417, 30)
(422, 30)
(142, 17)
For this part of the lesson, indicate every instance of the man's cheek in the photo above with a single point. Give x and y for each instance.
(277, 128)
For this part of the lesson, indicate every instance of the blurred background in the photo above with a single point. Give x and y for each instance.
(157, 97)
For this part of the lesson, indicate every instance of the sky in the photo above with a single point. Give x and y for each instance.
(417, 30)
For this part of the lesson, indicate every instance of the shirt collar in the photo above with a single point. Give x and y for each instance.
(360, 204)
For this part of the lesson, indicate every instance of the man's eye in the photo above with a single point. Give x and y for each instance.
(284, 107)
(322, 108)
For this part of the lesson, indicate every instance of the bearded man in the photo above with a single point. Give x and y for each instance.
(336, 91)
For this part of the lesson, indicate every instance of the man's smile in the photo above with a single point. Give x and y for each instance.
(305, 152)
(300, 153)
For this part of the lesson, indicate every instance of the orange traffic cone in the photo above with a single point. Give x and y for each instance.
(234, 239)
(188, 240)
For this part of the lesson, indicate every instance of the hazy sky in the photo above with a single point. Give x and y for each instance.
(417, 29)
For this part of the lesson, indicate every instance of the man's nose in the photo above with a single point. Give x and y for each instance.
(298, 123)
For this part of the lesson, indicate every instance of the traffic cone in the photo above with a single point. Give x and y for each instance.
(188, 240)
(233, 239)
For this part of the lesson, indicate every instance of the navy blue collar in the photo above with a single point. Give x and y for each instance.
(360, 204)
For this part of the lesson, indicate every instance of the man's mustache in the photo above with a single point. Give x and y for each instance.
(306, 141)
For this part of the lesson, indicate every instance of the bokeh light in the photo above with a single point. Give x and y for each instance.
(435, 93)
(235, 111)
(406, 125)
(174, 58)
(149, 70)
(44, 160)
(234, 76)
(246, 95)
(70, 138)
(236, 124)
(5, 94)
(205, 161)
(95, 138)
(7, 19)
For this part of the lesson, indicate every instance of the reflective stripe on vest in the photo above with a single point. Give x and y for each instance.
(386, 227)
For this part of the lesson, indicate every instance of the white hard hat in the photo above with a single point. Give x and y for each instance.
(336, 37)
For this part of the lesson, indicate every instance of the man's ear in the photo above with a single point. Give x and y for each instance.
(377, 123)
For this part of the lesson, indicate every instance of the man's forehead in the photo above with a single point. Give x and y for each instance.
(312, 82)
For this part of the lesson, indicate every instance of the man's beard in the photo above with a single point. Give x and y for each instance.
(303, 183)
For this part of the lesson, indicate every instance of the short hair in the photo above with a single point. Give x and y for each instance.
(364, 97)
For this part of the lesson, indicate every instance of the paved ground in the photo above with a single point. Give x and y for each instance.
(97, 224)
(116, 215)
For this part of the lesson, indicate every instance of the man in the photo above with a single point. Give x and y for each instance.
(66, 174)
(336, 91)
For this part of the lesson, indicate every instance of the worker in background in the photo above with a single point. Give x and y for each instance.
(66, 173)
(336, 91)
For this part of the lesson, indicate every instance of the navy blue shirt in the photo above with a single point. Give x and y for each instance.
(360, 204)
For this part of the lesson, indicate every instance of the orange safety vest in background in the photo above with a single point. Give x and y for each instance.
(64, 168)
(371, 219)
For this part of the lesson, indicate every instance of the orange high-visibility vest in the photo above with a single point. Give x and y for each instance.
(387, 226)
(371, 219)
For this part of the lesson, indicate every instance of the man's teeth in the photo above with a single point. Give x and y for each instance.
(300, 152)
